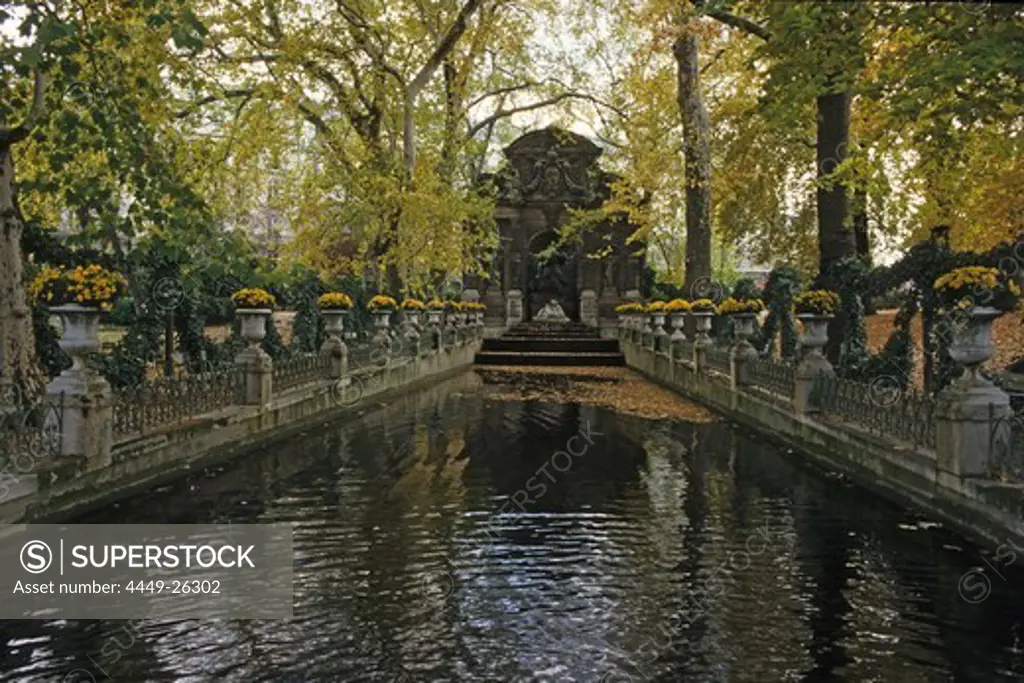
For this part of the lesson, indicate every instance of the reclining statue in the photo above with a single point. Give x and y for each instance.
(552, 313)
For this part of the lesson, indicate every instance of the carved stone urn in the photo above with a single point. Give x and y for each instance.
(381, 324)
(334, 346)
(678, 321)
(703, 326)
(80, 337)
(412, 326)
(254, 324)
(814, 338)
(971, 344)
(334, 321)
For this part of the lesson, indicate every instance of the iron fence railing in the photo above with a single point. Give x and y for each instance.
(161, 402)
(1006, 440)
(908, 416)
(772, 375)
(303, 369)
(28, 430)
(718, 359)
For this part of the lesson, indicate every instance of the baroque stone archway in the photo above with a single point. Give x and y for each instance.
(546, 174)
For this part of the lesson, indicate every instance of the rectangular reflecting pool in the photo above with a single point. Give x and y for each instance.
(529, 526)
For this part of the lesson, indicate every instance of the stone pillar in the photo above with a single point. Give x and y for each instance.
(80, 395)
(743, 352)
(514, 308)
(971, 422)
(85, 403)
(702, 341)
(814, 363)
(588, 308)
(334, 347)
(257, 376)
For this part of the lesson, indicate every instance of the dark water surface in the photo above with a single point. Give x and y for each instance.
(666, 551)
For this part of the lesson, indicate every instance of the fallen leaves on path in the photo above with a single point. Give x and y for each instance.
(619, 389)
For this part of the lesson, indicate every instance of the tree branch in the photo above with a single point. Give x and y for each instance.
(551, 101)
(9, 136)
(209, 99)
(426, 72)
(741, 23)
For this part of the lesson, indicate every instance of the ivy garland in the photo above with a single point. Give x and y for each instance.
(780, 290)
(850, 276)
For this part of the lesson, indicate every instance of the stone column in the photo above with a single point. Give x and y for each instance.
(588, 308)
(514, 309)
(743, 352)
(814, 364)
(255, 364)
(334, 347)
(82, 396)
(973, 416)
(702, 341)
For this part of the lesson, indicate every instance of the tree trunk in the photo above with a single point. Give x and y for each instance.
(696, 148)
(17, 342)
(835, 236)
(860, 225)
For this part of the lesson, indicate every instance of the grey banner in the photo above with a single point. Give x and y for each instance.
(146, 571)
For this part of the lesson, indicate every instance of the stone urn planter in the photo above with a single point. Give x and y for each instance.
(334, 321)
(412, 326)
(254, 324)
(79, 338)
(381, 324)
(743, 327)
(678, 321)
(971, 344)
(81, 335)
(815, 332)
(702, 322)
(814, 338)
(434, 318)
(658, 323)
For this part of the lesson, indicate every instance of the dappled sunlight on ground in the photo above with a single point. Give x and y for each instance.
(617, 388)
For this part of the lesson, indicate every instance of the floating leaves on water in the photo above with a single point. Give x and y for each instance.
(619, 389)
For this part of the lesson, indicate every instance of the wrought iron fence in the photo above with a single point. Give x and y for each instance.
(772, 375)
(160, 402)
(1006, 440)
(304, 368)
(908, 416)
(718, 359)
(28, 430)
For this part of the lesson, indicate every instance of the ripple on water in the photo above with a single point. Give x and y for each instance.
(671, 550)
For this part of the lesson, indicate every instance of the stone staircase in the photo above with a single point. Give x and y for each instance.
(537, 343)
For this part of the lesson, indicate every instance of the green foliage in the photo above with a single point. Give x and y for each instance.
(850, 276)
(745, 288)
(51, 357)
(783, 284)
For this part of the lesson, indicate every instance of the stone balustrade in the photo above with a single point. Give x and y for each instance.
(96, 420)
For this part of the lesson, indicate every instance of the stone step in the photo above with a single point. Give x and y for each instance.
(549, 358)
(565, 344)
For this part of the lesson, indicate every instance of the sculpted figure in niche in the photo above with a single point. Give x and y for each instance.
(552, 313)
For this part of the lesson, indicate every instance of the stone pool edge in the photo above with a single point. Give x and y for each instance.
(990, 515)
(155, 460)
